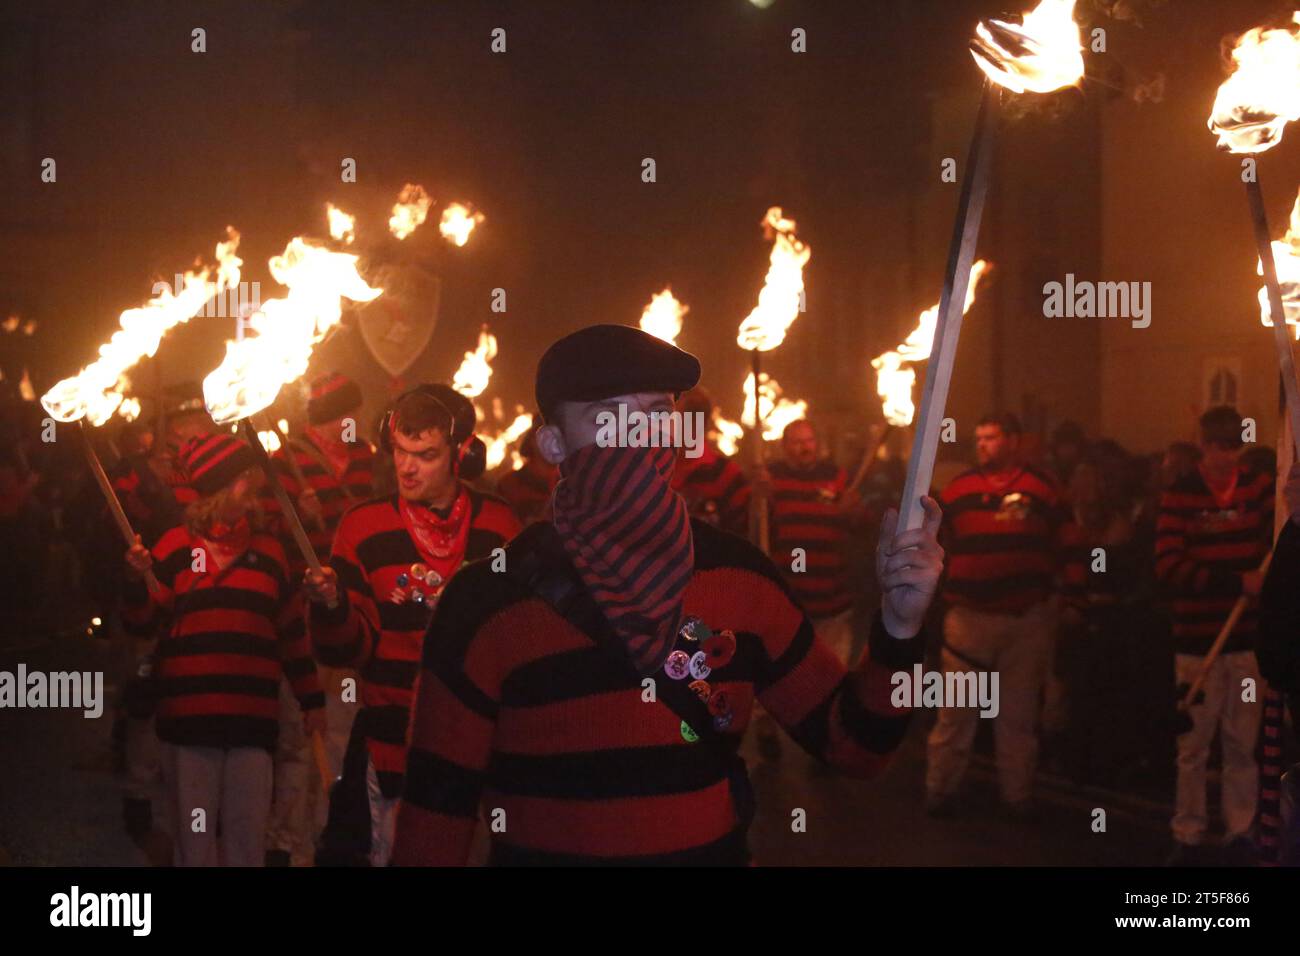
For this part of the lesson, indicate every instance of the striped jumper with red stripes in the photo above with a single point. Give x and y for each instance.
(715, 489)
(806, 514)
(521, 712)
(379, 636)
(337, 492)
(1203, 544)
(1003, 537)
(233, 633)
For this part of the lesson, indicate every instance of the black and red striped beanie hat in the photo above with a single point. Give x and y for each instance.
(213, 461)
(333, 395)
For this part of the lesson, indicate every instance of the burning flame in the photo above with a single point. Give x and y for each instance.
(285, 330)
(1286, 257)
(342, 226)
(458, 222)
(25, 390)
(782, 295)
(129, 409)
(270, 441)
(775, 409)
(662, 318)
(1262, 94)
(729, 433)
(893, 381)
(471, 379)
(1042, 54)
(411, 210)
(96, 391)
(497, 446)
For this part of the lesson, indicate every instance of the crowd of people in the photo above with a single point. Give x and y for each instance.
(557, 663)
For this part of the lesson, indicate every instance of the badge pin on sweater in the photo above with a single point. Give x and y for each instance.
(703, 651)
(419, 585)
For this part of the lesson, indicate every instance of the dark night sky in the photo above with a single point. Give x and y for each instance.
(159, 148)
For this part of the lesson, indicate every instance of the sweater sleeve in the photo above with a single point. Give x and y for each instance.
(844, 719)
(345, 636)
(453, 721)
(295, 654)
(143, 610)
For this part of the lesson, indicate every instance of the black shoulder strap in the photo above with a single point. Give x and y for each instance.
(551, 577)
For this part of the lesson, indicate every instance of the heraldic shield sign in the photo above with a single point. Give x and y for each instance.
(397, 326)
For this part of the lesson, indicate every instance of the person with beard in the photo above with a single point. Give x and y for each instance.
(528, 490)
(337, 469)
(712, 484)
(390, 560)
(1003, 521)
(236, 625)
(814, 512)
(592, 694)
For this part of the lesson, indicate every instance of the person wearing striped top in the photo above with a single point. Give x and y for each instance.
(337, 468)
(559, 726)
(390, 561)
(236, 627)
(1215, 526)
(1002, 524)
(713, 485)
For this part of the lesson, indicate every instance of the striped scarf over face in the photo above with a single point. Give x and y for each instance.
(629, 538)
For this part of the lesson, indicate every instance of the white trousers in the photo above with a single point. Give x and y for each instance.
(232, 788)
(1238, 725)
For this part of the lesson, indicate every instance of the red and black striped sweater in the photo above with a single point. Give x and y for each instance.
(233, 633)
(806, 514)
(378, 636)
(1004, 540)
(1203, 545)
(715, 489)
(521, 712)
(336, 492)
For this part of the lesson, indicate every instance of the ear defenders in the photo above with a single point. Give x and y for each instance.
(470, 452)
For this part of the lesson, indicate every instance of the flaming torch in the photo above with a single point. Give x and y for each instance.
(662, 318)
(458, 221)
(779, 304)
(1039, 55)
(410, 211)
(286, 330)
(95, 393)
(475, 371)
(894, 382)
(1251, 110)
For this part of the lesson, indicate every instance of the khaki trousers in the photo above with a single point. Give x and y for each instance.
(1019, 649)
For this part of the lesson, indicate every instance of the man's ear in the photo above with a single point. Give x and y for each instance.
(550, 442)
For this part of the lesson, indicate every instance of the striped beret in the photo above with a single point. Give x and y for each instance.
(213, 461)
(333, 395)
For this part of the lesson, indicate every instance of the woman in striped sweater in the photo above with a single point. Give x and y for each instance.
(235, 625)
(555, 694)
